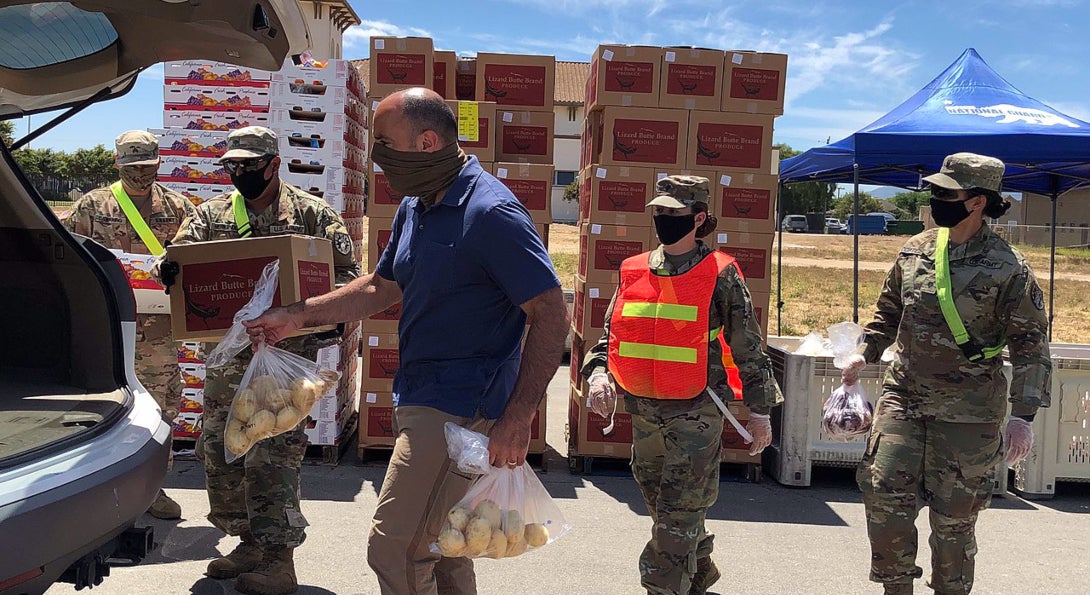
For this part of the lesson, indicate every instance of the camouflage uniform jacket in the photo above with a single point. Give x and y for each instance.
(296, 212)
(732, 310)
(98, 216)
(999, 301)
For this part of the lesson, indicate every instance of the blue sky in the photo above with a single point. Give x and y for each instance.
(849, 61)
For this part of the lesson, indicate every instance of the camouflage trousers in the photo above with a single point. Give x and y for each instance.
(676, 448)
(256, 497)
(157, 365)
(948, 467)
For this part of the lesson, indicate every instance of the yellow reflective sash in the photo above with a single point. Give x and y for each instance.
(135, 220)
(242, 218)
(662, 353)
(971, 348)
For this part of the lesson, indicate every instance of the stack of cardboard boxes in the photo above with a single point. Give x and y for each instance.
(504, 104)
(319, 116)
(653, 112)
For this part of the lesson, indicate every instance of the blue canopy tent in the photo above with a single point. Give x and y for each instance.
(968, 107)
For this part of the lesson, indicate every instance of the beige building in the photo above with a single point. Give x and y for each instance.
(1030, 220)
(327, 21)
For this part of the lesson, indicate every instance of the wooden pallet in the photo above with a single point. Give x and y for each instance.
(595, 465)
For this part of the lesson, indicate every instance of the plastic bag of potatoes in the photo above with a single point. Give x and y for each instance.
(506, 513)
(276, 394)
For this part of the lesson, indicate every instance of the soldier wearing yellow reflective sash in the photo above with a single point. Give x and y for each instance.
(138, 215)
(676, 434)
(955, 297)
(258, 500)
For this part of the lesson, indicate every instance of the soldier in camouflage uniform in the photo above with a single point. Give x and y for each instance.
(676, 443)
(258, 499)
(938, 429)
(99, 216)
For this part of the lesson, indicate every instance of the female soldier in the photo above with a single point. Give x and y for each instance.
(678, 310)
(953, 299)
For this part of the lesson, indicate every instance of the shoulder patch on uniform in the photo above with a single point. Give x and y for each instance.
(985, 262)
(1037, 296)
(342, 243)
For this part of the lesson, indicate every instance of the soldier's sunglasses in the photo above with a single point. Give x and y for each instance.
(944, 193)
(246, 165)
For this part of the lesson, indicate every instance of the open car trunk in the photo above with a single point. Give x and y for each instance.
(61, 368)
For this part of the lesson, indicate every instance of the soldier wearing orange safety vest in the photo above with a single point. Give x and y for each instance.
(680, 335)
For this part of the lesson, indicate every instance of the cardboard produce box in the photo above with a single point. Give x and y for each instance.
(286, 92)
(465, 80)
(201, 120)
(525, 137)
(692, 79)
(191, 143)
(384, 201)
(616, 195)
(215, 74)
(198, 193)
(624, 75)
(602, 249)
(217, 278)
(310, 108)
(443, 66)
(317, 180)
(320, 124)
(378, 237)
(485, 145)
(753, 251)
(385, 322)
(637, 137)
(762, 302)
(754, 82)
(532, 185)
(215, 99)
(589, 309)
(746, 201)
(328, 433)
(380, 362)
(148, 293)
(377, 420)
(586, 430)
(537, 429)
(578, 353)
(192, 170)
(542, 232)
(399, 63)
(732, 141)
(526, 81)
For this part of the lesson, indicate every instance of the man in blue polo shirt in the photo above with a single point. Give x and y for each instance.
(468, 266)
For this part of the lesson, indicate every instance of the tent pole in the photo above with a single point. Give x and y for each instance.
(855, 230)
(779, 262)
(1052, 258)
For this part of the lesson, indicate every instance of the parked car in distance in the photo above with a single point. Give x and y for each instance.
(833, 225)
(868, 224)
(887, 216)
(795, 223)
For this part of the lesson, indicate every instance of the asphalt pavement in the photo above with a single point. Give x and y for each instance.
(769, 539)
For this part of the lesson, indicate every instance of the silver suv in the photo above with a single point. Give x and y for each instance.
(83, 447)
(794, 223)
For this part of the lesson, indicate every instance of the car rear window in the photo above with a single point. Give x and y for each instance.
(46, 33)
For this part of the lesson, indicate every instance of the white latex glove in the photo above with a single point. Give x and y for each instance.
(1019, 439)
(760, 426)
(603, 398)
(850, 374)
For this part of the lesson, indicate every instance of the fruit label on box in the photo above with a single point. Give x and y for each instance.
(215, 291)
(628, 197)
(622, 428)
(383, 363)
(630, 77)
(383, 194)
(533, 194)
(380, 422)
(521, 139)
(598, 308)
(313, 279)
(729, 145)
(752, 261)
(645, 141)
(137, 268)
(469, 122)
(514, 84)
(746, 203)
(391, 313)
(402, 69)
(691, 80)
(755, 83)
(610, 254)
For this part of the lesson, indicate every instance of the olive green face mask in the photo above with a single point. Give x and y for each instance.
(416, 173)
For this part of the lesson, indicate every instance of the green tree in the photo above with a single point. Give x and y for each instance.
(40, 163)
(95, 164)
(846, 205)
(804, 197)
(7, 132)
(910, 202)
(571, 191)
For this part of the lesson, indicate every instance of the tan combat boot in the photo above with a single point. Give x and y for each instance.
(165, 508)
(244, 558)
(707, 573)
(274, 576)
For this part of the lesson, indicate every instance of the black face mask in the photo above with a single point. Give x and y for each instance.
(948, 213)
(251, 184)
(672, 228)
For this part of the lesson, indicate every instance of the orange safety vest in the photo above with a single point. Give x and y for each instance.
(658, 334)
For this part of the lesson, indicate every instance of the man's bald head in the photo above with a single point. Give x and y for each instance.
(422, 110)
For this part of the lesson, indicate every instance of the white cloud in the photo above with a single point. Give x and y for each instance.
(361, 34)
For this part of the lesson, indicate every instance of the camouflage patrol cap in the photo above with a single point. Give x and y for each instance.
(962, 171)
(250, 142)
(137, 147)
(679, 192)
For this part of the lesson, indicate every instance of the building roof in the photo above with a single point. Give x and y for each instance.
(341, 12)
(571, 79)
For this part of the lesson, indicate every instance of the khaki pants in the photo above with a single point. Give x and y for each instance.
(421, 486)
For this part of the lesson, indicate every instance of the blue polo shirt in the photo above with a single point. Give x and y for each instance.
(464, 267)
